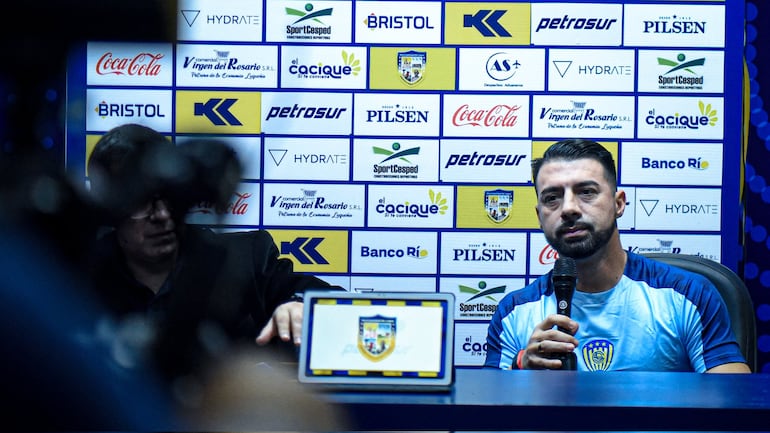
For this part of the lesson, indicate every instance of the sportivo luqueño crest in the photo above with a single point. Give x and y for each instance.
(411, 65)
(376, 336)
(597, 355)
(498, 203)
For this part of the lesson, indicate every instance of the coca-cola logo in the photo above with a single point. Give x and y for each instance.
(501, 115)
(142, 64)
(548, 255)
(239, 206)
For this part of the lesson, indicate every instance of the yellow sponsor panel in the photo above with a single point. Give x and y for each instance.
(91, 140)
(539, 147)
(213, 112)
(314, 251)
(473, 207)
(487, 23)
(408, 68)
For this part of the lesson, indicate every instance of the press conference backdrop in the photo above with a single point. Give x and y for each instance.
(387, 144)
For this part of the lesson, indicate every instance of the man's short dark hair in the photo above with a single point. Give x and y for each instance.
(577, 148)
(121, 162)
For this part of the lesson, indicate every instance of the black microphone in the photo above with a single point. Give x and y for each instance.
(564, 278)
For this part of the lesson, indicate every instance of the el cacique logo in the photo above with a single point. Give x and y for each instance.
(146, 64)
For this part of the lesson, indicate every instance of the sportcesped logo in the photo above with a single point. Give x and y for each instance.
(308, 14)
(437, 206)
(396, 152)
(674, 79)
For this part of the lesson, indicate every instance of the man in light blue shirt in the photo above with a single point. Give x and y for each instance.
(628, 312)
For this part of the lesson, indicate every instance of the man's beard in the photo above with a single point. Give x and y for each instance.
(586, 247)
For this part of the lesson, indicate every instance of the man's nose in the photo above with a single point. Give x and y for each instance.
(570, 205)
(161, 209)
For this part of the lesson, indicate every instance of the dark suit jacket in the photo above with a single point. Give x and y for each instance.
(224, 289)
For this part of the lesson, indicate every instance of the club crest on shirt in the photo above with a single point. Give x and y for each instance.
(597, 355)
(376, 336)
(498, 204)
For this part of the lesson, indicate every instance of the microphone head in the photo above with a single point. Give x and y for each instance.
(564, 267)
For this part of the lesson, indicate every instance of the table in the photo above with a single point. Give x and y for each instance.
(490, 399)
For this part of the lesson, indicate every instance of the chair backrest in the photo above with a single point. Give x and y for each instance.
(734, 292)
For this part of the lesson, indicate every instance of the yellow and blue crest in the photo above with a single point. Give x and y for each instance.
(597, 355)
(376, 336)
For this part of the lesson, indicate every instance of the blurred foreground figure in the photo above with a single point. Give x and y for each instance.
(203, 292)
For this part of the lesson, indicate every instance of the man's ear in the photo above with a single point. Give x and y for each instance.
(620, 203)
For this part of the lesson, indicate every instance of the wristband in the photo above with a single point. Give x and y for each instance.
(518, 358)
(297, 297)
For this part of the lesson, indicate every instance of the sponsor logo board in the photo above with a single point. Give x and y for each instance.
(251, 66)
(483, 253)
(227, 20)
(300, 158)
(108, 108)
(394, 252)
(496, 69)
(672, 163)
(478, 160)
(315, 205)
(389, 160)
(424, 206)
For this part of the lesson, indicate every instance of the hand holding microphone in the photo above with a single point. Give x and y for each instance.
(564, 278)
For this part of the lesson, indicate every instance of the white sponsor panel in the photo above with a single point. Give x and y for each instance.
(469, 115)
(360, 283)
(583, 116)
(678, 209)
(501, 69)
(476, 298)
(394, 114)
(242, 209)
(675, 25)
(129, 64)
(393, 252)
(708, 246)
(251, 66)
(314, 205)
(308, 22)
(247, 150)
(483, 253)
(318, 67)
(681, 71)
(542, 256)
(108, 108)
(479, 160)
(585, 70)
(301, 158)
(470, 344)
(576, 24)
(336, 280)
(398, 22)
(684, 117)
(413, 206)
(223, 20)
(307, 113)
(672, 163)
(395, 160)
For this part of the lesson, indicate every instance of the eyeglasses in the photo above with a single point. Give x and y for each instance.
(150, 208)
